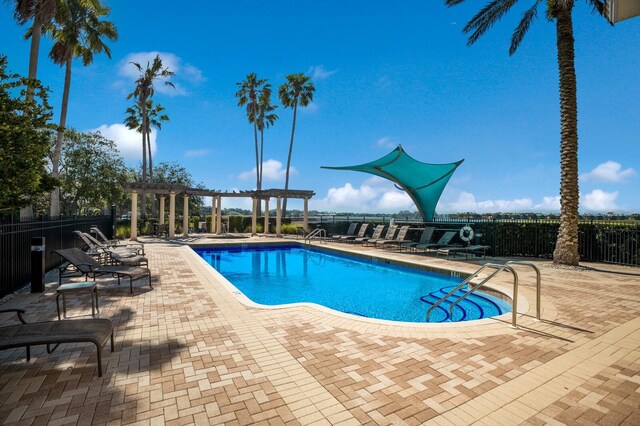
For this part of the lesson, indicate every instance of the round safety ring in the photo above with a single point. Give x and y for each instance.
(467, 233)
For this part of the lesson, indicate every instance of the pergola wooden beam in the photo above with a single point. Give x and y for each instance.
(164, 189)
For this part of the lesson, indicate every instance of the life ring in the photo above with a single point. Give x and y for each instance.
(467, 233)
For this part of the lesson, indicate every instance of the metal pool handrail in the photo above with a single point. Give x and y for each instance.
(538, 283)
(498, 267)
(316, 233)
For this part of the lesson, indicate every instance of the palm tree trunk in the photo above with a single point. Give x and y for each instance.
(55, 160)
(286, 181)
(255, 137)
(33, 54)
(566, 251)
(143, 195)
(261, 165)
(152, 197)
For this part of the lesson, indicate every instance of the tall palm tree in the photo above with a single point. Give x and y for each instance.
(144, 90)
(248, 93)
(77, 32)
(154, 118)
(42, 12)
(560, 12)
(298, 90)
(266, 118)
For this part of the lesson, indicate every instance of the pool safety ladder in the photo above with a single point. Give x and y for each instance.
(475, 286)
(317, 233)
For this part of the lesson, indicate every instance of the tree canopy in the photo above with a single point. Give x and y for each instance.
(24, 140)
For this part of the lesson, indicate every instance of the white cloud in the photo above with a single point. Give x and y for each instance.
(386, 142)
(467, 202)
(375, 194)
(197, 153)
(609, 171)
(318, 72)
(128, 142)
(185, 73)
(549, 204)
(599, 200)
(271, 170)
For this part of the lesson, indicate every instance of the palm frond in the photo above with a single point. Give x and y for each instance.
(523, 27)
(450, 3)
(486, 18)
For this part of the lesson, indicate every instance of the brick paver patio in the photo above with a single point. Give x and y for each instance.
(189, 351)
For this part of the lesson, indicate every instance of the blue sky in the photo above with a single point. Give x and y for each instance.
(386, 73)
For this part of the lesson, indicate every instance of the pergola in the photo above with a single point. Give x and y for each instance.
(172, 190)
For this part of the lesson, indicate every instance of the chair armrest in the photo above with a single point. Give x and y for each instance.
(18, 311)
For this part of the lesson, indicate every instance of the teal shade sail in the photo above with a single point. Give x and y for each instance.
(422, 181)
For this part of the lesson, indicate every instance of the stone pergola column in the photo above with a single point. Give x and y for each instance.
(213, 215)
(161, 222)
(305, 223)
(134, 216)
(254, 217)
(279, 217)
(185, 216)
(219, 216)
(266, 216)
(172, 214)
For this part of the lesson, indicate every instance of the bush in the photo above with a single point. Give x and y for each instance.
(123, 232)
(289, 229)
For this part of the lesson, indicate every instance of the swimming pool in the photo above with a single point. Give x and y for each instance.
(277, 275)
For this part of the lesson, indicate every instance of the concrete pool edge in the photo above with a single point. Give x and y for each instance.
(465, 329)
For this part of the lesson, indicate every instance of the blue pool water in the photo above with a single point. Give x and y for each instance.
(276, 275)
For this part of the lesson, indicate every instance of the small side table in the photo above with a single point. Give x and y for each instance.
(62, 290)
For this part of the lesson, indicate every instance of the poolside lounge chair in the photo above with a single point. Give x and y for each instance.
(377, 231)
(103, 237)
(97, 248)
(391, 233)
(361, 233)
(350, 232)
(96, 331)
(402, 234)
(138, 247)
(467, 250)
(81, 264)
(445, 240)
(425, 238)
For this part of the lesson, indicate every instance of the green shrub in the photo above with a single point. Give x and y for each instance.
(123, 232)
(289, 229)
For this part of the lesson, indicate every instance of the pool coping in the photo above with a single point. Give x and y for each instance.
(486, 326)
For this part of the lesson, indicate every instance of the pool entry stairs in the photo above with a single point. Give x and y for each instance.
(446, 304)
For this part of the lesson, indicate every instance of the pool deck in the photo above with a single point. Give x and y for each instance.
(189, 351)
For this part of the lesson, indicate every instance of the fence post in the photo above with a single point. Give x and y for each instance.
(113, 222)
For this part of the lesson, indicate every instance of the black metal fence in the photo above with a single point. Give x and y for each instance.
(616, 242)
(15, 244)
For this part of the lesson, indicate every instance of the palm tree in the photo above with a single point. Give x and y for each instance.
(77, 32)
(560, 11)
(154, 118)
(144, 90)
(248, 93)
(42, 12)
(298, 90)
(266, 118)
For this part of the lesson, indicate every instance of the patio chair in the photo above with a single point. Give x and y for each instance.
(361, 234)
(391, 232)
(103, 237)
(87, 266)
(445, 240)
(425, 238)
(402, 234)
(467, 250)
(98, 248)
(377, 231)
(350, 232)
(96, 331)
(138, 247)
